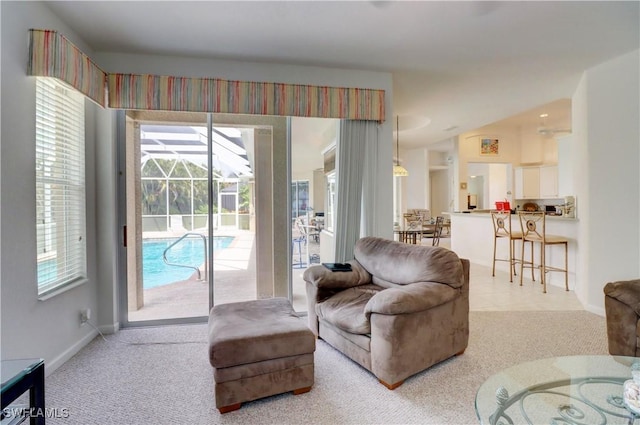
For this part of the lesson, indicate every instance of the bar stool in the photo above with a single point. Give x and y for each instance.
(533, 225)
(437, 231)
(502, 230)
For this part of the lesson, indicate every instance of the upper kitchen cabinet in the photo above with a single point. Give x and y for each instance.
(527, 183)
(548, 182)
(536, 182)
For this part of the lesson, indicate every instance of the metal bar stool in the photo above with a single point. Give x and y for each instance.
(437, 231)
(533, 225)
(502, 230)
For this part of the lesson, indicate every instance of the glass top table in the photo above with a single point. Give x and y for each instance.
(12, 371)
(19, 376)
(558, 390)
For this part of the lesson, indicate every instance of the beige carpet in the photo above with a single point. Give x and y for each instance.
(162, 376)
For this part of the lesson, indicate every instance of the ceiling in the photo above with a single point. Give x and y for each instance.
(456, 66)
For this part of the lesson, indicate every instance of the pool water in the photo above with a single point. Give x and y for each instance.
(189, 251)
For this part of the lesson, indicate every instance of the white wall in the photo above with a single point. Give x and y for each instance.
(607, 141)
(416, 185)
(498, 176)
(566, 158)
(30, 328)
(439, 180)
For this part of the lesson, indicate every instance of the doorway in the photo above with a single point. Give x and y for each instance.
(490, 182)
(199, 221)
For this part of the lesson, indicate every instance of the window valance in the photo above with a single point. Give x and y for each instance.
(153, 92)
(51, 54)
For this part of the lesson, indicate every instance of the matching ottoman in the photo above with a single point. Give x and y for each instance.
(258, 349)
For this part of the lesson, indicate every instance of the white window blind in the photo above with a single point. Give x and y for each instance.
(60, 185)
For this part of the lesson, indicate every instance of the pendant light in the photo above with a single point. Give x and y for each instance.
(398, 170)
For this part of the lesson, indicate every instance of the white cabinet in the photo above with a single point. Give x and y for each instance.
(527, 183)
(536, 182)
(549, 182)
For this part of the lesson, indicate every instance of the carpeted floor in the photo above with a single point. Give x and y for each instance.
(162, 376)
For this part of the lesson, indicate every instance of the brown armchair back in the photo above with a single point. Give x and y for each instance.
(622, 307)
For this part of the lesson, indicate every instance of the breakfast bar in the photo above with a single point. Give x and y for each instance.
(472, 238)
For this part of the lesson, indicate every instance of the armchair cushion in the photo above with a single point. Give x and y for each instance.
(411, 298)
(346, 309)
(400, 263)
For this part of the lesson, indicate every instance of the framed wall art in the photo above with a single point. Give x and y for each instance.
(489, 146)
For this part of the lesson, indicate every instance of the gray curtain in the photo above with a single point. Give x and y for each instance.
(357, 145)
(369, 216)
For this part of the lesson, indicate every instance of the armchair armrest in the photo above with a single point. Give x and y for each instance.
(411, 298)
(323, 278)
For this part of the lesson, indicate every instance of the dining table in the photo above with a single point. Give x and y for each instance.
(410, 236)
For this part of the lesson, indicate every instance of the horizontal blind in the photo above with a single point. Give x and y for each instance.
(60, 185)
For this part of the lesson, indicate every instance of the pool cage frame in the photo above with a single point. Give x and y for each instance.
(174, 187)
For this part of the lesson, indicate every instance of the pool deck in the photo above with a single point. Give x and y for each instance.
(235, 277)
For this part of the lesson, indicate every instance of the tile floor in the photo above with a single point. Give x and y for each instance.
(486, 293)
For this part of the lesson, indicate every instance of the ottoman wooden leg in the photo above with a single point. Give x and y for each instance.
(231, 408)
(301, 390)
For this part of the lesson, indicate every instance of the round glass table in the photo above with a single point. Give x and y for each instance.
(558, 390)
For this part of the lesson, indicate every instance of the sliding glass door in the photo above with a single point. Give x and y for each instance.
(190, 216)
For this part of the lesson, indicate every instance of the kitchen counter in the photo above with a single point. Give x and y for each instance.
(472, 238)
(487, 213)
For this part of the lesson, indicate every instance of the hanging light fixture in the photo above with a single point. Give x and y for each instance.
(398, 170)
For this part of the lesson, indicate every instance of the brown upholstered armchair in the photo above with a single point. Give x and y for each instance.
(400, 310)
(622, 306)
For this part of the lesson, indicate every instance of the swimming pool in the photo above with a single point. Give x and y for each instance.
(189, 251)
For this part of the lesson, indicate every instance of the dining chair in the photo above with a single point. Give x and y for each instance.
(502, 230)
(533, 225)
(298, 241)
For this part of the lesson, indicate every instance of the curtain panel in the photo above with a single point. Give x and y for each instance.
(355, 139)
(369, 216)
(52, 55)
(168, 93)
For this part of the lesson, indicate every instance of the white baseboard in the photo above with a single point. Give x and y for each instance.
(595, 310)
(110, 329)
(51, 366)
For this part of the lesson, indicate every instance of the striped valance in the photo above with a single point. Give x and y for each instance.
(153, 92)
(52, 55)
